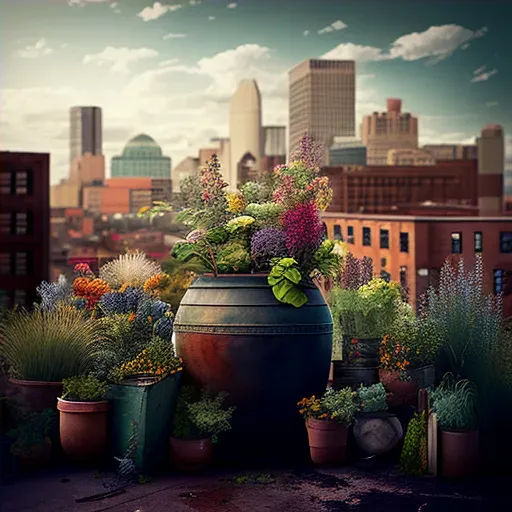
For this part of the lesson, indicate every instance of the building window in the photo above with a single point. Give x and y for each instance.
(350, 234)
(404, 242)
(498, 281)
(384, 239)
(403, 278)
(4, 299)
(506, 241)
(457, 243)
(23, 182)
(5, 263)
(23, 223)
(5, 223)
(367, 236)
(6, 183)
(385, 275)
(324, 225)
(337, 232)
(479, 241)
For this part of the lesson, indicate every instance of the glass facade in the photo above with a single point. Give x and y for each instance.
(347, 154)
(142, 157)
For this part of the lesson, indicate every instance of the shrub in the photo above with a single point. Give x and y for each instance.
(372, 398)
(84, 389)
(32, 432)
(413, 459)
(334, 405)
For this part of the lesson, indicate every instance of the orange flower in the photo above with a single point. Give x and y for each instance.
(80, 285)
(131, 318)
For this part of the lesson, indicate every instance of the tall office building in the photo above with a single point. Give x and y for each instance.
(274, 140)
(245, 133)
(322, 101)
(85, 132)
(382, 131)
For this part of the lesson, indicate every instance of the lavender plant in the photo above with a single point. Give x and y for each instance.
(53, 293)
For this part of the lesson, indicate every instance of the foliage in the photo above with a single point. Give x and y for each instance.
(84, 388)
(284, 277)
(413, 459)
(266, 244)
(156, 283)
(340, 406)
(133, 268)
(163, 327)
(372, 398)
(50, 345)
(355, 272)
(328, 259)
(201, 416)
(32, 432)
(266, 215)
(455, 404)
(393, 355)
(256, 192)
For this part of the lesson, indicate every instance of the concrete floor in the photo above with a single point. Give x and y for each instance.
(307, 490)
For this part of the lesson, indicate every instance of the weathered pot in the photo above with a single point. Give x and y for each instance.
(353, 376)
(36, 396)
(424, 376)
(400, 392)
(235, 336)
(145, 407)
(83, 429)
(459, 453)
(327, 441)
(377, 433)
(190, 454)
(368, 350)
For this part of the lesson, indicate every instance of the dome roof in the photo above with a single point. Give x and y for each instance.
(142, 146)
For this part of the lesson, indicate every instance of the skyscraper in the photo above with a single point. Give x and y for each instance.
(322, 101)
(393, 129)
(85, 132)
(274, 140)
(245, 132)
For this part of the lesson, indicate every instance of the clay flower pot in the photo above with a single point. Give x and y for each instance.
(327, 441)
(83, 429)
(459, 453)
(190, 454)
(401, 392)
(37, 395)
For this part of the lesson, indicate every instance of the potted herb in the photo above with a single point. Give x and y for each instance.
(255, 301)
(376, 431)
(327, 421)
(199, 420)
(83, 418)
(44, 346)
(32, 446)
(455, 405)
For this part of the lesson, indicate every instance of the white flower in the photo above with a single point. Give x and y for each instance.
(132, 268)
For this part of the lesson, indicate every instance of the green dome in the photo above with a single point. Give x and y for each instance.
(142, 146)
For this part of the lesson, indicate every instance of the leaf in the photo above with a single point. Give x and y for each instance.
(273, 280)
(288, 293)
(217, 235)
(293, 275)
(281, 289)
(287, 262)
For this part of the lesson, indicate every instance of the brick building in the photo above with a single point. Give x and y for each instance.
(24, 226)
(412, 249)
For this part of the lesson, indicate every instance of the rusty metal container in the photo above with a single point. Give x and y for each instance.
(235, 336)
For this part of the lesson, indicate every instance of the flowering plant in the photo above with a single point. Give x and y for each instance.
(340, 406)
(393, 355)
(273, 227)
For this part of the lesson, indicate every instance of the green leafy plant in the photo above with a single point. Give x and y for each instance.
(32, 432)
(372, 398)
(50, 345)
(335, 405)
(284, 278)
(413, 459)
(84, 389)
(200, 415)
(456, 404)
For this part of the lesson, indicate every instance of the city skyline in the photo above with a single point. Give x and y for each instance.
(169, 69)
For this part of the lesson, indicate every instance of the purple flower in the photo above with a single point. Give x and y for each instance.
(266, 244)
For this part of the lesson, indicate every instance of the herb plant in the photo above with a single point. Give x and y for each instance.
(84, 389)
(372, 398)
(335, 405)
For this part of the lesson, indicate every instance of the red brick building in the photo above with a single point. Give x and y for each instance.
(412, 249)
(24, 226)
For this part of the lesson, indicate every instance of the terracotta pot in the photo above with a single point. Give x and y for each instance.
(459, 453)
(35, 396)
(83, 429)
(377, 433)
(400, 392)
(36, 457)
(191, 454)
(327, 441)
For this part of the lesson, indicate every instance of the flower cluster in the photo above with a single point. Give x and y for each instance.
(53, 293)
(356, 272)
(351, 351)
(236, 203)
(267, 244)
(156, 283)
(91, 289)
(151, 361)
(393, 355)
(134, 268)
(321, 192)
(83, 270)
(339, 405)
(310, 152)
(211, 181)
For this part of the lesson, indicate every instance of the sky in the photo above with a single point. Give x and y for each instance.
(169, 68)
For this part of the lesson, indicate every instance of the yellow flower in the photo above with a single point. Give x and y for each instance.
(236, 202)
(144, 209)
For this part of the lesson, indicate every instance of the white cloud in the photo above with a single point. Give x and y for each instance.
(492, 104)
(157, 10)
(172, 35)
(437, 43)
(36, 50)
(119, 59)
(306, 32)
(169, 62)
(336, 25)
(211, 18)
(465, 46)
(479, 70)
(113, 5)
(232, 5)
(483, 76)
(82, 3)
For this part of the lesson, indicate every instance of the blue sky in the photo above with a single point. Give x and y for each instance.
(169, 68)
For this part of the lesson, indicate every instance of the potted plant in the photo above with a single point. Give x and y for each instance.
(44, 346)
(197, 424)
(394, 362)
(455, 405)
(376, 431)
(83, 418)
(255, 301)
(327, 421)
(32, 446)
